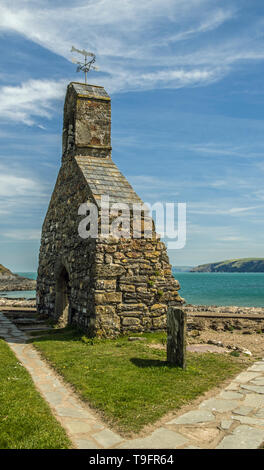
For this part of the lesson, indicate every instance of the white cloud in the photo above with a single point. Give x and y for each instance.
(16, 186)
(13, 185)
(232, 239)
(259, 194)
(101, 23)
(140, 45)
(124, 35)
(21, 197)
(225, 150)
(30, 99)
(22, 234)
(213, 21)
(235, 210)
(225, 210)
(155, 189)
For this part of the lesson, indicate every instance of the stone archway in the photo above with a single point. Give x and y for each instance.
(62, 304)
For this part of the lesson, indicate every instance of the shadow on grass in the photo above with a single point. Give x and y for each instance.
(67, 333)
(143, 363)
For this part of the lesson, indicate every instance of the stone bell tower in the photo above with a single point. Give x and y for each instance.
(87, 121)
(106, 285)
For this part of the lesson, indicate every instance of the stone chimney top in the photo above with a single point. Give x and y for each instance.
(87, 121)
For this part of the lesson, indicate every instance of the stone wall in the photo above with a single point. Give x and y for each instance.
(116, 285)
(112, 285)
(134, 285)
(87, 122)
(62, 247)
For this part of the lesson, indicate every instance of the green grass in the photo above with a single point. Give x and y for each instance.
(128, 382)
(26, 421)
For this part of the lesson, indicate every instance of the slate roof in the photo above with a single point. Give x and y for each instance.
(104, 178)
(90, 91)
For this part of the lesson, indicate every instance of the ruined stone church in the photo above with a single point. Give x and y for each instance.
(105, 285)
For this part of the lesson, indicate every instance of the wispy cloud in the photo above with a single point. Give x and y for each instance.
(225, 150)
(224, 209)
(259, 194)
(30, 99)
(22, 198)
(13, 185)
(22, 234)
(213, 20)
(124, 35)
(236, 210)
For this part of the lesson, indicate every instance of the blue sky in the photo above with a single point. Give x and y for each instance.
(187, 88)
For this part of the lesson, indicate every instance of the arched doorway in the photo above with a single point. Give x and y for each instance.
(62, 308)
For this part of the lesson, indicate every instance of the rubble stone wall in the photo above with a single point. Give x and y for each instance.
(112, 285)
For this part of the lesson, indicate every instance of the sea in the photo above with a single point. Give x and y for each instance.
(242, 289)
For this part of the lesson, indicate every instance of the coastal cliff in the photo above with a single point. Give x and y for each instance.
(243, 265)
(12, 282)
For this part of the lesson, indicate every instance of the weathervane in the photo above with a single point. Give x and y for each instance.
(87, 65)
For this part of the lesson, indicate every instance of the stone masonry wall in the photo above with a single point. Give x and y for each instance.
(87, 123)
(114, 285)
(134, 285)
(61, 246)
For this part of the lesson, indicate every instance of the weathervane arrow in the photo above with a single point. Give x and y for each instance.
(87, 65)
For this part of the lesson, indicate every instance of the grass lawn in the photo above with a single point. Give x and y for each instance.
(129, 382)
(26, 421)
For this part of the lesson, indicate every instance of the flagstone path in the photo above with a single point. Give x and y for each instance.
(233, 419)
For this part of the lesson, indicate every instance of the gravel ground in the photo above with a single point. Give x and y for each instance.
(253, 342)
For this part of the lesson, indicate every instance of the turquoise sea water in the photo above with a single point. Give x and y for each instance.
(28, 275)
(244, 289)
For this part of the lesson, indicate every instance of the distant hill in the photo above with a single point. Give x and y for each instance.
(182, 269)
(11, 282)
(243, 265)
(4, 272)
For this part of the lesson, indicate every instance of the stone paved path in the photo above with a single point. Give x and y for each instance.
(233, 419)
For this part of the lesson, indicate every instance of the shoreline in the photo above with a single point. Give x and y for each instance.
(223, 309)
(188, 308)
(17, 302)
(16, 283)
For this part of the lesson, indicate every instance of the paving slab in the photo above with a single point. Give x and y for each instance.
(221, 406)
(195, 416)
(233, 386)
(86, 444)
(257, 381)
(76, 426)
(249, 420)
(54, 398)
(255, 400)
(107, 438)
(201, 434)
(244, 377)
(258, 367)
(71, 412)
(226, 424)
(162, 438)
(243, 437)
(254, 388)
(243, 410)
(230, 395)
(260, 413)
